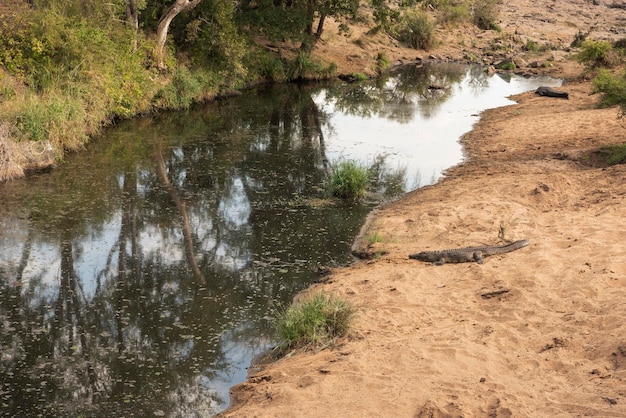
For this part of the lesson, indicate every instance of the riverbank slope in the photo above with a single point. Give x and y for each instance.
(536, 332)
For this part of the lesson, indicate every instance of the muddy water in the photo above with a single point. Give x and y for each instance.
(140, 277)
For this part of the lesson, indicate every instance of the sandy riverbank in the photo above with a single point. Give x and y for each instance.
(539, 332)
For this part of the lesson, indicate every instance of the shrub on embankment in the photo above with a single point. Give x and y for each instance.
(65, 77)
(605, 61)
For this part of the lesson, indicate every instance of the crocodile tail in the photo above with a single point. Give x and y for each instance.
(516, 245)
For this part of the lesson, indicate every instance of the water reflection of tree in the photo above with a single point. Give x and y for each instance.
(385, 181)
(398, 95)
(27, 379)
(182, 211)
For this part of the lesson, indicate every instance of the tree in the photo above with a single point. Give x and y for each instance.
(387, 11)
(323, 9)
(164, 24)
(132, 19)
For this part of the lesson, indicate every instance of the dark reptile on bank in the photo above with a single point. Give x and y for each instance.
(468, 254)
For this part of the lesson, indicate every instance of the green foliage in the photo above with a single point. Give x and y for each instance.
(373, 238)
(599, 54)
(482, 13)
(280, 21)
(386, 13)
(209, 36)
(7, 92)
(265, 65)
(315, 320)
(185, 88)
(616, 154)
(276, 23)
(453, 12)
(415, 30)
(50, 117)
(23, 47)
(93, 68)
(348, 180)
(472, 57)
(359, 77)
(485, 14)
(97, 11)
(382, 62)
(613, 88)
(531, 46)
(579, 38)
(506, 65)
(303, 67)
(75, 72)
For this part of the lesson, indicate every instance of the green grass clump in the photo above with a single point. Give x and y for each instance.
(607, 155)
(508, 65)
(348, 180)
(531, 46)
(314, 321)
(359, 77)
(382, 62)
(373, 237)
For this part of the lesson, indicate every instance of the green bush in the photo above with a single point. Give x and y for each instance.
(266, 65)
(304, 67)
(23, 48)
(315, 320)
(613, 88)
(415, 30)
(599, 54)
(359, 76)
(579, 38)
(453, 12)
(185, 88)
(485, 14)
(68, 67)
(60, 119)
(78, 76)
(616, 154)
(531, 46)
(382, 62)
(506, 65)
(348, 180)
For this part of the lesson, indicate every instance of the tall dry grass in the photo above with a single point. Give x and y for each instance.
(10, 156)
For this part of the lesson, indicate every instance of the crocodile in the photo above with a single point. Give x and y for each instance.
(550, 92)
(468, 254)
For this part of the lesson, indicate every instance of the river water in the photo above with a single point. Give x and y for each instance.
(140, 277)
